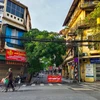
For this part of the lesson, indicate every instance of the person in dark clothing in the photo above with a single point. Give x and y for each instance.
(10, 80)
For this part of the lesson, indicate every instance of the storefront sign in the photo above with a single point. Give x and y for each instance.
(95, 60)
(54, 79)
(15, 55)
(75, 59)
(89, 70)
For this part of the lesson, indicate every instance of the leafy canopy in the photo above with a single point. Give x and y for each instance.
(43, 54)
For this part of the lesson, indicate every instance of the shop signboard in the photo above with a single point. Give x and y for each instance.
(54, 78)
(15, 55)
(89, 70)
(95, 60)
(76, 59)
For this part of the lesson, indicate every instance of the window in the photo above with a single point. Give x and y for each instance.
(8, 3)
(14, 34)
(13, 6)
(10, 32)
(17, 13)
(22, 10)
(18, 8)
(21, 15)
(8, 9)
(15, 9)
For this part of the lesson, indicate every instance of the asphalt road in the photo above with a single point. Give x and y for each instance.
(52, 92)
(57, 91)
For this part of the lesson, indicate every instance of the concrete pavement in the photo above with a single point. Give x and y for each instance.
(58, 91)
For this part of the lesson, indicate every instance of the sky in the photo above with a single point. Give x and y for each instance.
(48, 14)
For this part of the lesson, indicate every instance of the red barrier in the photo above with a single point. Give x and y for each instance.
(54, 78)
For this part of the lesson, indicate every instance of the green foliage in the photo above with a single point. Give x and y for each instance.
(41, 54)
(91, 19)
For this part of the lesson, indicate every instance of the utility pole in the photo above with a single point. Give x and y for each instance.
(78, 64)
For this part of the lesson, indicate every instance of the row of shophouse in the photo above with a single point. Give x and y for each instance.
(14, 22)
(82, 62)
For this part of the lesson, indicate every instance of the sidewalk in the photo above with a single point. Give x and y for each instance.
(64, 80)
(91, 83)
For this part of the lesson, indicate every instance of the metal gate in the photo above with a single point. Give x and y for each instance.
(97, 72)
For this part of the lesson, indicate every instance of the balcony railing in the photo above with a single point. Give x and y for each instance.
(88, 5)
(79, 25)
(82, 25)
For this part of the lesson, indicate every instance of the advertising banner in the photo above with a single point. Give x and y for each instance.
(54, 78)
(95, 60)
(15, 55)
(89, 70)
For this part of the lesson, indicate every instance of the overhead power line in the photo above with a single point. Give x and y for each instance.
(46, 40)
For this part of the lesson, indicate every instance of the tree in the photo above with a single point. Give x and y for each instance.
(43, 54)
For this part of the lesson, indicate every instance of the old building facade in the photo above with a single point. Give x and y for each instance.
(14, 22)
(82, 62)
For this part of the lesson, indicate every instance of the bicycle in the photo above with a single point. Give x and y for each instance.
(16, 84)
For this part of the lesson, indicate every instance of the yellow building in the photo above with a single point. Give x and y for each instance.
(82, 61)
(14, 22)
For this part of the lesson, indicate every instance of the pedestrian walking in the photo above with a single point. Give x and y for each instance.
(10, 80)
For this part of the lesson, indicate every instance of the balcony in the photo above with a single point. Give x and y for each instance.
(79, 25)
(72, 32)
(89, 6)
(82, 25)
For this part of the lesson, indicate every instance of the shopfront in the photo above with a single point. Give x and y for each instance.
(13, 59)
(17, 67)
(91, 66)
(96, 63)
(97, 72)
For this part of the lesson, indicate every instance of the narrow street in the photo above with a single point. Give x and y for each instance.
(49, 50)
(50, 91)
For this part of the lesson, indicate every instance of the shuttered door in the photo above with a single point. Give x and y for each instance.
(97, 72)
